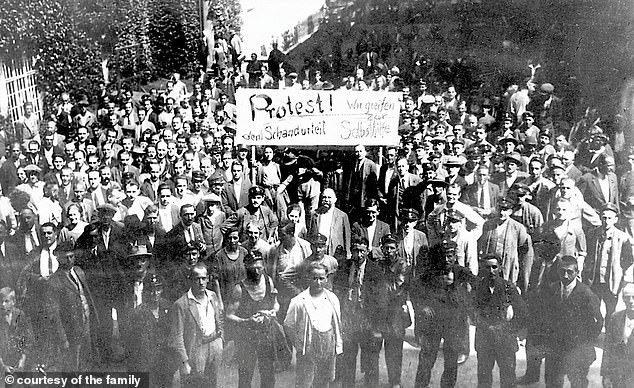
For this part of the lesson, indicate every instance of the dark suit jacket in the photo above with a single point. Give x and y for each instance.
(11, 263)
(381, 181)
(66, 307)
(573, 323)
(470, 194)
(491, 325)
(148, 191)
(232, 201)
(185, 331)
(620, 258)
(381, 230)
(419, 256)
(9, 176)
(411, 197)
(591, 189)
(618, 351)
(361, 184)
(172, 245)
(18, 239)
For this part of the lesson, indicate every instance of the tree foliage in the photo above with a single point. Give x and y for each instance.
(175, 37)
(226, 17)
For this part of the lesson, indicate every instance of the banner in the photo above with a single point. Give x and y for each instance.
(316, 117)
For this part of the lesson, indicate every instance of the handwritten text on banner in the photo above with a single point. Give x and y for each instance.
(316, 117)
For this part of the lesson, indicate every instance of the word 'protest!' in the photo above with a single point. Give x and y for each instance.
(316, 117)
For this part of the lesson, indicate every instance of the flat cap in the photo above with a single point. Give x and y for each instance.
(409, 214)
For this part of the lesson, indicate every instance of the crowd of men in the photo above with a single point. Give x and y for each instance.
(137, 233)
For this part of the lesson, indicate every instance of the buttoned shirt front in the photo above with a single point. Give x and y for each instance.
(205, 312)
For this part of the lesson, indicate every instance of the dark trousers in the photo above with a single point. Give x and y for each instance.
(574, 364)
(602, 290)
(347, 362)
(393, 359)
(534, 354)
(249, 351)
(430, 343)
(488, 355)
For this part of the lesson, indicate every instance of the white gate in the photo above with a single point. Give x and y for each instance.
(18, 84)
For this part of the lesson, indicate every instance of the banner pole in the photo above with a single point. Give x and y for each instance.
(253, 164)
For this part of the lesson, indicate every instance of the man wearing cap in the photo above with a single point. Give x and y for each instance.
(236, 192)
(211, 219)
(331, 223)
(149, 332)
(600, 186)
(437, 197)
(436, 222)
(512, 164)
(84, 117)
(196, 329)
(73, 313)
(388, 313)
(361, 180)
(466, 242)
(412, 243)
(509, 240)
(355, 321)
(254, 212)
(573, 317)
(508, 144)
(481, 139)
(608, 260)
(499, 313)
(318, 244)
(252, 308)
(525, 212)
(149, 188)
(440, 296)
(538, 185)
(453, 164)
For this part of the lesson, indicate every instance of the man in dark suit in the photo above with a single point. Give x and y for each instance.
(11, 259)
(332, 223)
(412, 243)
(403, 192)
(482, 195)
(9, 170)
(150, 186)
(499, 312)
(73, 311)
(386, 173)
(617, 368)
(370, 227)
(573, 321)
(35, 156)
(185, 232)
(608, 259)
(32, 287)
(512, 174)
(600, 186)
(28, 236)
(196, 329)
(236, 193)
(150, 232)
(361, 181)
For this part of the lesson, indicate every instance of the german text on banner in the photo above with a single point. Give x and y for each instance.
(316, 117)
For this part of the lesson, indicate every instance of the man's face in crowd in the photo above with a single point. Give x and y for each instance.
(181, 187)
(236, 171)
(48, 235)
(253, 234)
(402, 167)
(490, 269)
(187, 216)
(172, 151)
(132, 191)
(359, 152)
(105, 176)
(256, 200)
(535, 170)
(328, 199)
(453, 194)
(295, 216)
(482, 175)
(164, 197)
(79, 159)
(33, 149)
(511, 167)
(179, 167)
(94, 179)
(66, 177)
(371, 213)
(161, 150)
(608, 219)
(58, 163)
(567, 273)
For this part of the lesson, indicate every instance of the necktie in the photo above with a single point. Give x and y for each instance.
(481, 200)
(50, 261)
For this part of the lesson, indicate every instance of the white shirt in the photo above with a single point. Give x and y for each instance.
(46, 268)
(206, 313)
(30, 240)
(388, 178)
(605, 188)
(325, 222)
(567, 290)
(484, 193)
(165, 218)
(138, 293)
(237, 188)
(371, 230)
(320, 313)
(105, 234)
(628, 327)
